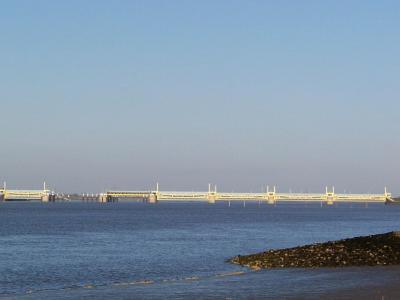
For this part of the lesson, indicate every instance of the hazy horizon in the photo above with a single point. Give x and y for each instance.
(101, 95)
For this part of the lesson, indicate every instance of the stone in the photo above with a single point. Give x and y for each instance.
(373, 250)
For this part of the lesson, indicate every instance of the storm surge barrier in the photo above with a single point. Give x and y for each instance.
(44, 195)
(270, 196)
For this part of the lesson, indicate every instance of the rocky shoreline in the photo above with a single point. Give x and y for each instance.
(373, 250)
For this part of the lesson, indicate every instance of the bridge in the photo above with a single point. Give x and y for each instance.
(270, 196)
(26, 195)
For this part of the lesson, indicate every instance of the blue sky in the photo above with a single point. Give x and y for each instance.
(121, 94)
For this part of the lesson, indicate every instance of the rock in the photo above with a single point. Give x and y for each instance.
(380, 249)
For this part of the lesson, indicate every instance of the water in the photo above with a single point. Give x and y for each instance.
(177, 250)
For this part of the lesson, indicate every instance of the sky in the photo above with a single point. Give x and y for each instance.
(98, 95)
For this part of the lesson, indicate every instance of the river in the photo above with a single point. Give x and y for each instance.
(135, 250)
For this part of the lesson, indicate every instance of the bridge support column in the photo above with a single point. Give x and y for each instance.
(388, 196)
(212, 195)
(103, 198)
(112, 199)
(152, 198)
(270, 196)
(211, 198)
(330, 196)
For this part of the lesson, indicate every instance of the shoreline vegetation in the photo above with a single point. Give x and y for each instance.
(373, 250)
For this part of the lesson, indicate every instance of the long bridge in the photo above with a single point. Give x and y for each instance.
(44, 195)
(270, 196)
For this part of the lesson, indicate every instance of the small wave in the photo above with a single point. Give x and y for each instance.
(192, 278)
(89, 286)
(142, 282)
(230, 274)
(121, 283)
(136, 282)
(170, 280)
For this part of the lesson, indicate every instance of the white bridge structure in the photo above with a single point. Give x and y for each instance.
(270, 196)
(44, 195)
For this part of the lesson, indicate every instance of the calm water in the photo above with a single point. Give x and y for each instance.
(177, 250)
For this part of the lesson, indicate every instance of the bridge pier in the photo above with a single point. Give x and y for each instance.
(271, 195)
(330, 196)
(212, 195)
(152, 198)
(102, 198)
(211, 198)
(112, 199)
(48, 197)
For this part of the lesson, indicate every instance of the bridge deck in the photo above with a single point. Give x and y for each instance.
(23, 194)
(270, 196)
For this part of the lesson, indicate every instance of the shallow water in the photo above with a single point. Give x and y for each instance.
(177, 250)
